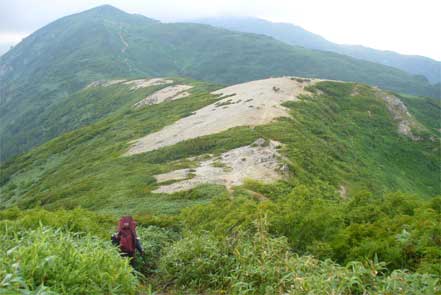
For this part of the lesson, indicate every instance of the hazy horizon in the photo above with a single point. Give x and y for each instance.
(409, 32)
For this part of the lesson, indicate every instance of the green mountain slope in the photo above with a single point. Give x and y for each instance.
(345, 151)
(38, 76)
(344, 135)
(295, 35)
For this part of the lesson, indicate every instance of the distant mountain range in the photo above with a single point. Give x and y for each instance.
(38, 76)
(295, 35)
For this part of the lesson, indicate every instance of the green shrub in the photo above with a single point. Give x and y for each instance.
(196, 261)
(397, 228)
(222, 216)
(77, 220)
(261, 264)
(62, 262)
(153, 240)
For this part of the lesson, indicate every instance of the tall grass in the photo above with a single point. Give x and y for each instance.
(61, 262)
(261, 264)
(40, 256)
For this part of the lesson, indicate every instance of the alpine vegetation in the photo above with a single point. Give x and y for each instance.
(120, 176)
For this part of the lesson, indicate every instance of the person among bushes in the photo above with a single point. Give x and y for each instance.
(127, 239)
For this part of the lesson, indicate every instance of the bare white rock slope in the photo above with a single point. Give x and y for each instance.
(104, 83)
(406, 122)
(143, 83)
(258, 161)
(135, 84)
(165, 94)
(247, 104)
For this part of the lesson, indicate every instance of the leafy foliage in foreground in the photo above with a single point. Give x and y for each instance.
(265, 265)
(76, 221)
(46, 260)
(67, 260)
(399, 229)
(154, 239)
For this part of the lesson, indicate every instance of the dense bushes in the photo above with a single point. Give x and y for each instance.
(50, 260)
(398, 229)
(195, 262)
(265, 265)
(234, 246)
(77, 220)
(153, 239)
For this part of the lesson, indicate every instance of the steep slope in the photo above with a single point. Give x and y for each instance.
(4, 48)
(38, 76)
(345, 134)
(295, 35)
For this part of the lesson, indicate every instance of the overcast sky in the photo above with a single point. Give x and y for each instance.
(405, 26)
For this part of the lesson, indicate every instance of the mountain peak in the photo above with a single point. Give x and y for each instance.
(111, 12)
(105, 9)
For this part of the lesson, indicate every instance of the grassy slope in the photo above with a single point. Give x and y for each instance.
(331, 137)
(40, 73)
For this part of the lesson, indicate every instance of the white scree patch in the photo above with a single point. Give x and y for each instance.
(258, 161)
(247, 104)
(104, 83)
(144, 83)
(173, 92)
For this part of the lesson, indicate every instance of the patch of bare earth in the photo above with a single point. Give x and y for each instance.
(144, 83)
(247, 104)
(166, 94)
(135, 84)
(400, 115)
(104, 83)
(343, 192)
(259, 161)
(124, 42)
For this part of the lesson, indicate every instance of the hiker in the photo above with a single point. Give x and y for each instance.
(126, 239)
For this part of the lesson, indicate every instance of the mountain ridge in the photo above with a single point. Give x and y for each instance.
(272, 184)
(39, 75)
(296, 35)
(338, 133)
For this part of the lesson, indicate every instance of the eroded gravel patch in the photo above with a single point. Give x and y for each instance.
(259, 161)
(135, 84)
(400, 114)
(144, 83)
(166, 94)
(104, 83)
(247, 104)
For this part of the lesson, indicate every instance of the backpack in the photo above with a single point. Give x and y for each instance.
(127, 235)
